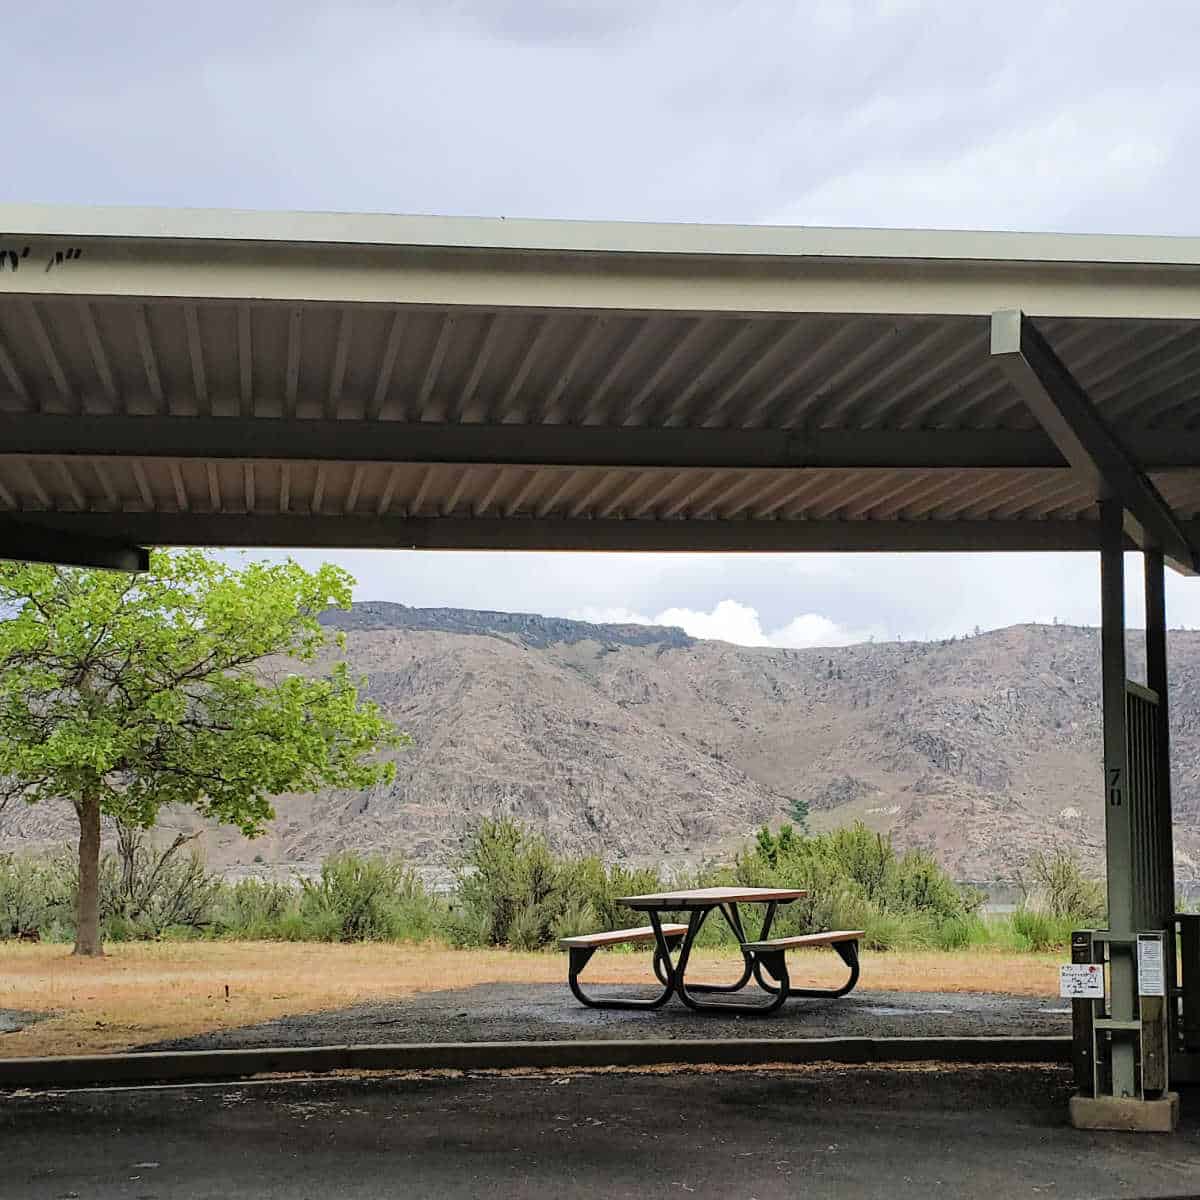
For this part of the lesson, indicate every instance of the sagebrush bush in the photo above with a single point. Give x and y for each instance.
(254, 908)
(1042, 932)
(358, 899)
(512, 890)
(145, 891)
(34, 894)
(921, 885)
(1056, 885)
(507, 876)
(1057, 898)
(855, 880)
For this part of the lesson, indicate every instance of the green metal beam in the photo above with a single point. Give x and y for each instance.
(554, 533)
(531, 445)
(25, 541)
(272, 438)
(1068, 415)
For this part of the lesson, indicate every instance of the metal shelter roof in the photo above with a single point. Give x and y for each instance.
(213, 378)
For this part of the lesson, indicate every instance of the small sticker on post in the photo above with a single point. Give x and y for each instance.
(1152, 976)
(1081, 981)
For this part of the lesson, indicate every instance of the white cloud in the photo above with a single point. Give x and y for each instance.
(812, 629)
(732, 621)
(729, 621)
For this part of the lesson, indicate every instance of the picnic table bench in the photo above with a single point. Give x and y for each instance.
(763, 959)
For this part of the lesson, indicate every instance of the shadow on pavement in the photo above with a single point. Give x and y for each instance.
(820, 1131)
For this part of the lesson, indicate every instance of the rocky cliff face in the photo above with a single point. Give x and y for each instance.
(528, 629)
(646, 745)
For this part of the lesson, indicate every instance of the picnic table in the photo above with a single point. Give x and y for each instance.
(763, 957)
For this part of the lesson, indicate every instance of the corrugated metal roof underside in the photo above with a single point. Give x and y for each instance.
(114, 485)
(270, 359)
(514, 366)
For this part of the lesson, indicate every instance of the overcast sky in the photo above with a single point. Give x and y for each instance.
(1076, 116)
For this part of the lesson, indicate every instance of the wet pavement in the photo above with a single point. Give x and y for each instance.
(763, 1135)
(548, 1012)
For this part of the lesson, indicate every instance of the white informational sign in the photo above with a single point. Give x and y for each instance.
(1081, 981)
(1152, 975)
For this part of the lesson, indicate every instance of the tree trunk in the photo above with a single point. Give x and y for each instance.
(87, 910)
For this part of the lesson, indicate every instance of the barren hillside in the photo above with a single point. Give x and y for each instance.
(646, 745)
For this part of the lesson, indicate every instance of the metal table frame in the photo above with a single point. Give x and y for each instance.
(671, 971)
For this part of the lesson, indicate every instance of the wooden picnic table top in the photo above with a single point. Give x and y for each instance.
(707, 897)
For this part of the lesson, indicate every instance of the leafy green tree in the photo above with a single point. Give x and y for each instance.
(122, 694)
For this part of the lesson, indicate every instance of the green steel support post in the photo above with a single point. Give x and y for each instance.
(1156, 678)
(1118, 824)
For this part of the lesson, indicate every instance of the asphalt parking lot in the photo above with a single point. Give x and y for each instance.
(817, 1131)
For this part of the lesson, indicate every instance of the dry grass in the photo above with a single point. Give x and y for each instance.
(146, 992)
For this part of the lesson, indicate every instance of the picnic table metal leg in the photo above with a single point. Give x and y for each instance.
(848, 953)
(768, 918)
(775, 964)
(762, 937)
(734, 921)
(665, 967)
(660, 970)
(688, 995)
(758, 978)
(580, 956)
(695, 921)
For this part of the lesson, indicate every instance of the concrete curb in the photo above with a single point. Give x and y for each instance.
(180, 1066)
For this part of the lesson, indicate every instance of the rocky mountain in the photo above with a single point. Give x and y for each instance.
(646, 745)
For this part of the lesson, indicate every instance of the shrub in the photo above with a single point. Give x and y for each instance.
(958, 933)
(1041, 932)
(855, 880)
(1055, 884)
(512, 890)
(506, 874)
(145, 892)
(35, 894)
(577, 917)
(528, 929)
(358, 899)
(868, 859)
(255, 908)
(922, 886)
(599, 889)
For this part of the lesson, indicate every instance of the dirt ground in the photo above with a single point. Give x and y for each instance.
(142, 994)
(977, 1133)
